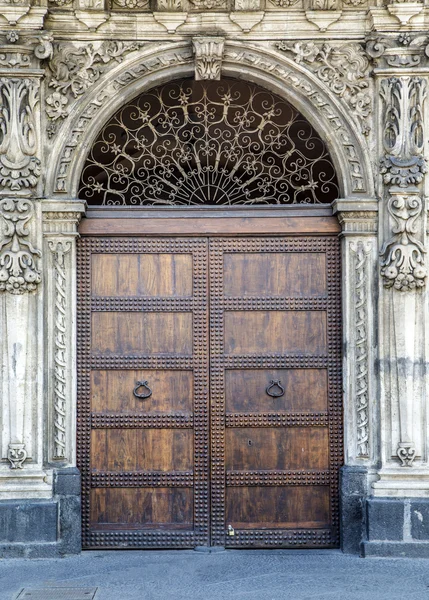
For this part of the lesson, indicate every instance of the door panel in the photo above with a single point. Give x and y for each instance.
(143, 392)
(305, 389)
(141, 332)
(274, 274)
(246, 332)
(275, 360)
(112, 391)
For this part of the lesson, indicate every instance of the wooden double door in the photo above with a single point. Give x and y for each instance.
(209, 391)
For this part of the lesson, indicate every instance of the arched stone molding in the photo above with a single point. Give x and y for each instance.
(257, 64)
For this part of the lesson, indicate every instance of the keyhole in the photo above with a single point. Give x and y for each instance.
(250, 442)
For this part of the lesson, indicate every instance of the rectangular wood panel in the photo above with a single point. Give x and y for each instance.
(278, 507)
(112, 391)
(141, 333)
(141, 508)
(277, 448)
(142, 449)
(124, 275)
(275, 274)
(305, 390)
(248, 332)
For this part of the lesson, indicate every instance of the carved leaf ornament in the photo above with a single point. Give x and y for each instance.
(208, 142)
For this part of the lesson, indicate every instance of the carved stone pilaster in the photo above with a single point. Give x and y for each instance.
(60, 221)
(403, 270)
(359, 248)
(21, 351)
(208, 57)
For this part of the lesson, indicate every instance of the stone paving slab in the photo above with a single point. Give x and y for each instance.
(229, 575)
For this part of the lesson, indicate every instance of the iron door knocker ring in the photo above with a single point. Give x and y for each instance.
(275, 389)
(142, 395)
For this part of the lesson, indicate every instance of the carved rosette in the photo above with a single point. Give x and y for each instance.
(19, 166)
(18, 258)
(208, 57)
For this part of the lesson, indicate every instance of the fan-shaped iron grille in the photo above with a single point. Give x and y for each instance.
(208, 143)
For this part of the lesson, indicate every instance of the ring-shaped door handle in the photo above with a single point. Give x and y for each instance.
(142, 395)
(275, 389)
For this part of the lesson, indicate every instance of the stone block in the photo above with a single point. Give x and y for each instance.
(28, 521)
(353, 485)
(420, 518)
(385, 519)
(67, 482)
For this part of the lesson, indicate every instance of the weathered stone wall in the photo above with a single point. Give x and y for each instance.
(358, 71)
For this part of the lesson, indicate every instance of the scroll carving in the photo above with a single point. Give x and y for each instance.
(208, 57)
(16, 455)
(19, 166)
(18, 269)
(402, 262)
(344, 69)
(60, 249)
(360, 253)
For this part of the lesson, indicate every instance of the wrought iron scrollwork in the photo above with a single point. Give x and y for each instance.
(275, 389)
(142, 395)
(208, 142)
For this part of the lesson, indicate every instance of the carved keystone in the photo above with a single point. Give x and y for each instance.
(208, 57)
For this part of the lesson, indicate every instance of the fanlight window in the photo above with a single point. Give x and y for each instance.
(208, 143)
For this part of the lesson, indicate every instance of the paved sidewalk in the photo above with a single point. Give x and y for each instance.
(241, 575)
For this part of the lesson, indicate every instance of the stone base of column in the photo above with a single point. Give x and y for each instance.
(353, 493)
(397, 527)
(43, 528)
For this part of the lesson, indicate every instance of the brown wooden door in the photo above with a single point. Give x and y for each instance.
(271, 311)
(143, 392)
(275, 391)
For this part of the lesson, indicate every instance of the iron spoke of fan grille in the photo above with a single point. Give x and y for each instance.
(208, 143)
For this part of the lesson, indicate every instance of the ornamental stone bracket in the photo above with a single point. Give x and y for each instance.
(208, 57)
(60, 221)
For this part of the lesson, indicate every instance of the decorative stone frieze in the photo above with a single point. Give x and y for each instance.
(208, 57)
(344, 69)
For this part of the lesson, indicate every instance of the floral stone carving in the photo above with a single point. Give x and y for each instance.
(18, 271)
(19, 165)
(403, 254)
(208, 57)
(344, 69)
(75, 69)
